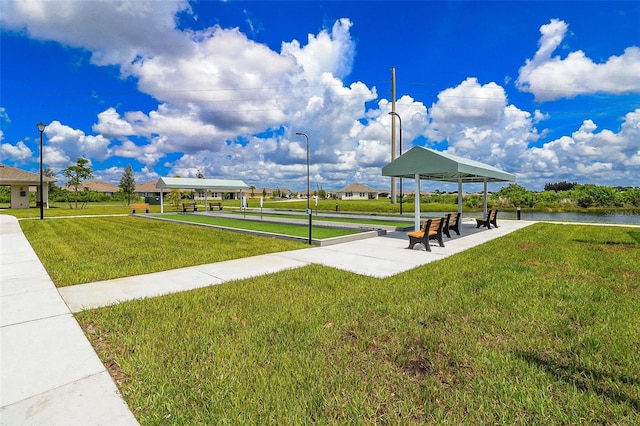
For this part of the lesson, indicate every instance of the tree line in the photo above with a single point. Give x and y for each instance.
(567, 195)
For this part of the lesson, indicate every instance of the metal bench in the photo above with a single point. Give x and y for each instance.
(431, 230)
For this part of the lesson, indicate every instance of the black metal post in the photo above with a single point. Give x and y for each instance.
(41, 127)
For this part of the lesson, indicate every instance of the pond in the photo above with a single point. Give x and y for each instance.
(625, 217)
(620, 217)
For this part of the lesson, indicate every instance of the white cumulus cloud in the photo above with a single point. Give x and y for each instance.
(552, 77)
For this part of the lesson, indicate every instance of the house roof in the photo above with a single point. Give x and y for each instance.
(99, 186)
(194, 183)
(357, 187)
(149, 186)
(9, 175)
(439, 166)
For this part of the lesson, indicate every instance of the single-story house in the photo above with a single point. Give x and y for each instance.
(357, 191)
(100, 186)
(147, 189)
(20, 181)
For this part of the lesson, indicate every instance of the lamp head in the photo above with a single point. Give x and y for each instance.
(41, 126)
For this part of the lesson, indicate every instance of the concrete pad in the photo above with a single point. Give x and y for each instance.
(92, 400)
(30, 306)
(22, 277)
(41, 355)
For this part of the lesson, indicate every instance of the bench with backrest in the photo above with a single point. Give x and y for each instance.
(431, 230)
(451, 223)
(140, 207)
(217, 205)
(189, 206)
(490, 219)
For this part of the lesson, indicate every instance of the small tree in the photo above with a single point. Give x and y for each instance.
(128, 183)
(76, 175)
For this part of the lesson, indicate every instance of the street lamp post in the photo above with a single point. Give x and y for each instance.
(308, 195)
(399, 119)
(41, 127)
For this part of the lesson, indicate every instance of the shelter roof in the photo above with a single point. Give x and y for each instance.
(10, 175)
(440, 166)
(194, 183)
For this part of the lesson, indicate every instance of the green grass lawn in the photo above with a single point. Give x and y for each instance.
(538, 327)
(81, 250)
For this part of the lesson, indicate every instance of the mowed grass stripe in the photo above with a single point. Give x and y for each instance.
(81, 250)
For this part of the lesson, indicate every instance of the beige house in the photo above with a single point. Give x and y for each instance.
(20, 181)
(357, 191)
(147, 189)
(100, 186)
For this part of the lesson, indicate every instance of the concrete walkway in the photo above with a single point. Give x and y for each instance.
(51, 375)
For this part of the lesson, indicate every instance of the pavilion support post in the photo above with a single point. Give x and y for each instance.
(460, 196)
(485, 196)
(417, 204)
(161, 200)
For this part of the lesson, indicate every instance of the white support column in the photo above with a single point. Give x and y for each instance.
(161, 200)
(460, 197)
(417, 203)
(485, 196)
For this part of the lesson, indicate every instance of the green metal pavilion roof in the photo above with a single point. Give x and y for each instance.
(193, 183)
(438, 166)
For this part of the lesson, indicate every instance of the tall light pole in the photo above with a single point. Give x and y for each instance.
(399, 119)
(41, 127)
(308, 195)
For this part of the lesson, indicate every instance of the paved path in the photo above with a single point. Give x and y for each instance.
(51, 375)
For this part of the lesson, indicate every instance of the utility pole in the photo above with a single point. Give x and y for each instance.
(393, 131)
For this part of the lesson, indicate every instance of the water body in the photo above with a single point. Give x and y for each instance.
(626, 217)
(606, 217)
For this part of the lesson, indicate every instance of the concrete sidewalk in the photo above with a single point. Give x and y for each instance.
(51, 375)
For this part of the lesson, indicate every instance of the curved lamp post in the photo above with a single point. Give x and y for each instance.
(308, 195)
(399, 119)
(41, 127)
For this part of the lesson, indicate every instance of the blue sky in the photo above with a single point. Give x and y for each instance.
(549, 91)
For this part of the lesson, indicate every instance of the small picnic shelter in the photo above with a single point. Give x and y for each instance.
(213, 185)
(423, 163)
(20, 181)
